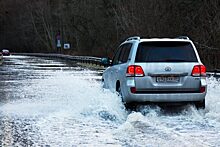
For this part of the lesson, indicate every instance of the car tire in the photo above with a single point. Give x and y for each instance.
(200, 104)
(119, 92)
(128, 106)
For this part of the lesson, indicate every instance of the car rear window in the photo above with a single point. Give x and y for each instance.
(165, 52)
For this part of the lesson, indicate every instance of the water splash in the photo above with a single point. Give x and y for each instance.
(70, 107)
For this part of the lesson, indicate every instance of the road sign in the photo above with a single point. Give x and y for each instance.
(58, 43)
(66, 46)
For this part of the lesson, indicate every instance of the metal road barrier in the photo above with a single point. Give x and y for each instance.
(93, 60)
(82, 59)
(214, 73)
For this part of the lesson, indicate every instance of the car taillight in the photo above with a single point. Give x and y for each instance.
(135, 71)
(131, 70)
(203, 70)
(133, 89)
(199, 70)
(202, 89)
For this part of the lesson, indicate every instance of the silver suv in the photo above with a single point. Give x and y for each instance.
(157, 70)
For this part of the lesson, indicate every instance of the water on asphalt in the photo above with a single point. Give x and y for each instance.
(45, 102)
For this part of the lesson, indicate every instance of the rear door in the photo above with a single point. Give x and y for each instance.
(167, 66)
(118, 71)
(110, 76)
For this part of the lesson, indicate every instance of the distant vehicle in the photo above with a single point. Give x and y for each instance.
(5, 52)
(157, 70)
(1, 58)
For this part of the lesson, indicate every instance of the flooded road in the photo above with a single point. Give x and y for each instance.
(45, 102)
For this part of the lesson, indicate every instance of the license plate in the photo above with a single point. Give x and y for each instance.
(168, 79)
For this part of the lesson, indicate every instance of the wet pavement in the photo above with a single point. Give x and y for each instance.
(45, 102)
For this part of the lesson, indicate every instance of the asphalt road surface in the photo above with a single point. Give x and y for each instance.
(45, 102)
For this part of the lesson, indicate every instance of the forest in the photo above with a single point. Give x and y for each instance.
(97, 27)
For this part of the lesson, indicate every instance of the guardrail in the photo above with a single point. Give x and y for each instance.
(82, 59)
(213, 73)
(94, 60)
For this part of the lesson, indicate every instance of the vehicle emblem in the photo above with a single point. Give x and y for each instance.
(168, 68)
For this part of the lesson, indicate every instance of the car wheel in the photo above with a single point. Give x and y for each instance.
(119, 92)
(200, 104)
(128, 106)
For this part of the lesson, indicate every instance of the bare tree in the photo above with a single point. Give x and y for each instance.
(97, 27)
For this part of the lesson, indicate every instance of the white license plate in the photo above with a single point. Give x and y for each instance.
(168, 79)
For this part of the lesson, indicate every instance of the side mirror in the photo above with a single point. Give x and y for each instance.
(106, 62)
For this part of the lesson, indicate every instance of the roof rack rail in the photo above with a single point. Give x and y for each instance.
(183, 37)
(134, 38)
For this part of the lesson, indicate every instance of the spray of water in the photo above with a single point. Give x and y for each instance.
(71, 108)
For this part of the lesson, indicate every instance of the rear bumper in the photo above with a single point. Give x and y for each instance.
(170, 97)
(166, 94)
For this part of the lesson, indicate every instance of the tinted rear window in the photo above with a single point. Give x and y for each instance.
(165, 52)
